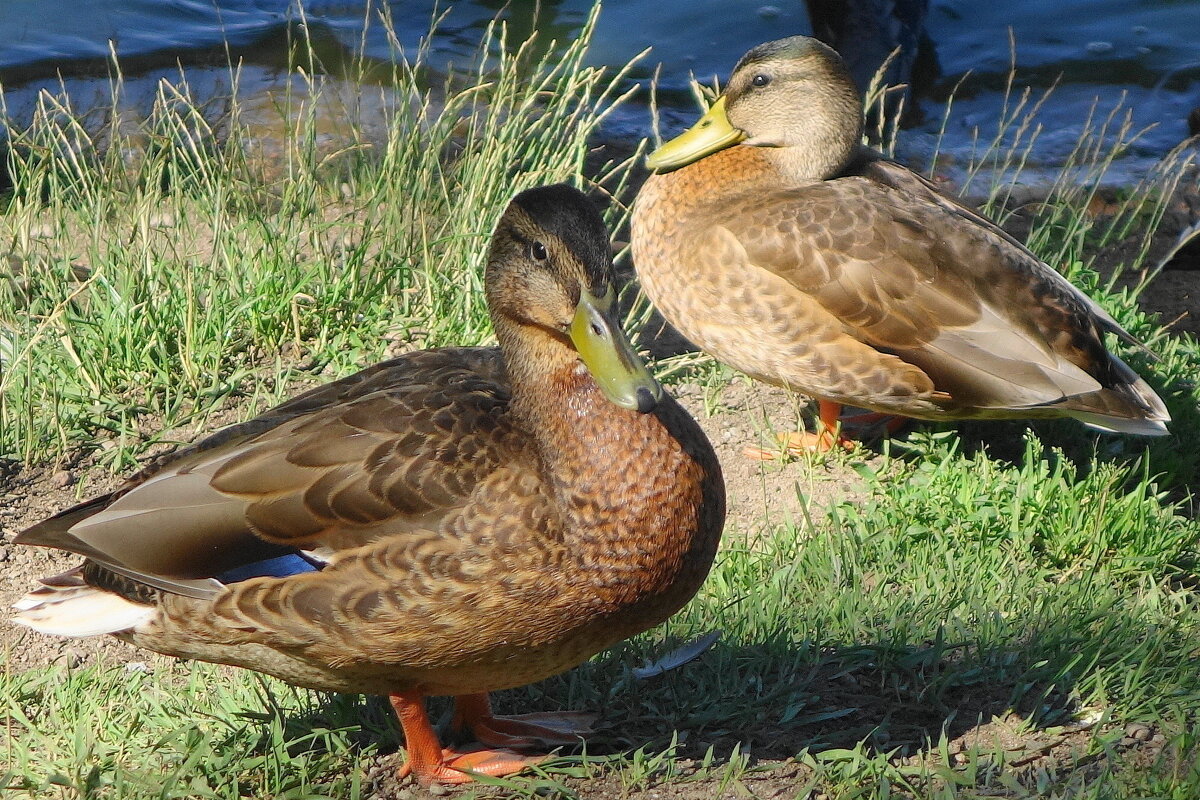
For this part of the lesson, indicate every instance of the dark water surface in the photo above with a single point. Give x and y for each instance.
(1147, 49)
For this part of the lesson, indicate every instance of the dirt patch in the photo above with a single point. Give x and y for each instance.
(765, 494)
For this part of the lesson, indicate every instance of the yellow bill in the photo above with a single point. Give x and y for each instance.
(711, 133)
(609, 355)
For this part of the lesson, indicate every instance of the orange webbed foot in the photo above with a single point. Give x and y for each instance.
(430, 763)
(473, 713)
(830, 434)
(458, 766)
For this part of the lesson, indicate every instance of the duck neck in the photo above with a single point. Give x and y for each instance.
(587, 446)
(820, 160)
(711, 179)
(558, 402)
(614, 474)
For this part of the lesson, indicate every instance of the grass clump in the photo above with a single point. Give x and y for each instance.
(184, 732)
(1112, 518)
(154, 268)
(863, 646)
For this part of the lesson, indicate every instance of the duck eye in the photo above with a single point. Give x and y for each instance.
(537, 251)
(760, 80)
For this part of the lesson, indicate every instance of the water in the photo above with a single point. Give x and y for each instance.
(1147, 49)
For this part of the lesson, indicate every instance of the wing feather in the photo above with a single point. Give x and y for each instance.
(381, 453)
(990, 325)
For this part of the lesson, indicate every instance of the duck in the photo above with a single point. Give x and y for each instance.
(774, 240)
(453, 521)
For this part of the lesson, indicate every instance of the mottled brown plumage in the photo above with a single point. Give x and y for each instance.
(490, 517)
(776, 242)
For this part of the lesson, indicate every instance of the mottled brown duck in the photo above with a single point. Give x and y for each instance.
(774, 240)
(450, 522)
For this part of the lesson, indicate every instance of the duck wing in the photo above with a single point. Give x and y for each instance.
(388, 450)
(904, 180)
(989, 324)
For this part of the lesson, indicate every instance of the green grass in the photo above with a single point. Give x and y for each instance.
(153, 285)
(113, 732)
(1036, 583)
(959, 591)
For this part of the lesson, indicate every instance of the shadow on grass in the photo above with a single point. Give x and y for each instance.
(769, 703)
(775, 704)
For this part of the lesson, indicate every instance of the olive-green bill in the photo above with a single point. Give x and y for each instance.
(712, 132)
(609, 355)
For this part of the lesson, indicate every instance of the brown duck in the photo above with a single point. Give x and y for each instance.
(774, 240)
(449, 522)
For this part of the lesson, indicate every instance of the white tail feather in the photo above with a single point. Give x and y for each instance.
(79, 611)
(1138, 427)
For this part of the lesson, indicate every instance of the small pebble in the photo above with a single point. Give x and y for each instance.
(438, 790)
(961, 758)
(4, 553)
(1137, 731)
(62, 479)
(70, 659)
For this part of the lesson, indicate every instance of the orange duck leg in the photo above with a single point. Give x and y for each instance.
(430, 763)
(829, 434)
(826, 438)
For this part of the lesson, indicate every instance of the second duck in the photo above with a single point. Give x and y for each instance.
(777, 242)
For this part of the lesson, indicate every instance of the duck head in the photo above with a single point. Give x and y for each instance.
(549, 279)
(792, 97)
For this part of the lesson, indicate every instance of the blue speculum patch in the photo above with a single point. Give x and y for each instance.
(278, 567)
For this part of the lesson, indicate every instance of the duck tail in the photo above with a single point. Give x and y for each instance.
(66, 606)
(1127, 405)
(1136, 427)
